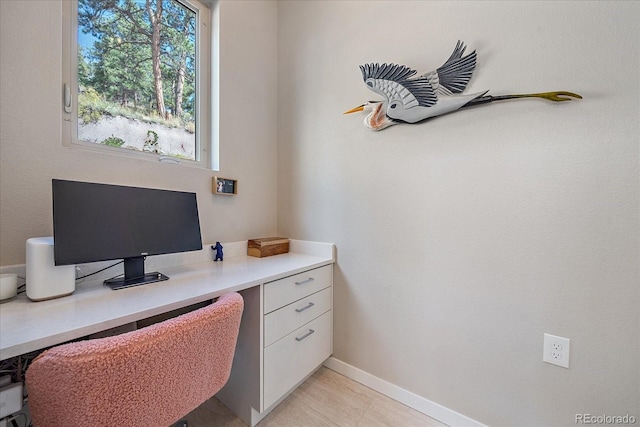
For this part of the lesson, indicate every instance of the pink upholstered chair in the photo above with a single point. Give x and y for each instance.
(149, 377)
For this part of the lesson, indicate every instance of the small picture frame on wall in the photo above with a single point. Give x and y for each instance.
(225, 186)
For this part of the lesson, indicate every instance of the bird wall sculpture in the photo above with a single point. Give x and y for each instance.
(411, 99)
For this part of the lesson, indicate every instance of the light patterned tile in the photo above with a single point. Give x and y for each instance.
(335, 397)
(386, 412)
(296, 413)
(326, 399)
(332, 380)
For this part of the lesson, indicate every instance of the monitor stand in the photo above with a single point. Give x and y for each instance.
(121, 283)
(134, 275)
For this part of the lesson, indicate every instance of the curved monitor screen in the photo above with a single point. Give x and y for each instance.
(100, 222)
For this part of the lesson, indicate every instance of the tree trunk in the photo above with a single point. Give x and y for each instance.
(156, 23)
(181, 71)
(179, 91)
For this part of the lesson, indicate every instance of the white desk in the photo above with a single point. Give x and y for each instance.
(26, 326)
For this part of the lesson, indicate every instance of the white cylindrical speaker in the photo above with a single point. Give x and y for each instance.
(45, 280)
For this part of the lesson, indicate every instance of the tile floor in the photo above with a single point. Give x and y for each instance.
(326, 399)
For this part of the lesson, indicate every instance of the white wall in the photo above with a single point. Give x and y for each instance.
(462, 240)
(31, 150)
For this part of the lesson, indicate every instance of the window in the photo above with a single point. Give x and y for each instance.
(137, 78)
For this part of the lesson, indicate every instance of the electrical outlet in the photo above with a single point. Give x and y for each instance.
(556, 350)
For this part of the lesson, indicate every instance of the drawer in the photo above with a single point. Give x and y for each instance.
(290, 317)
(288, 361)
(285, 291)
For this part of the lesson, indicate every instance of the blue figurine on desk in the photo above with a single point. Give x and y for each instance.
(218, 249)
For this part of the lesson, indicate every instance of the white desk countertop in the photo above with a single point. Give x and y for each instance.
(26, 326)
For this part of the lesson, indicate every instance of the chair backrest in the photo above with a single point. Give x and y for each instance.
(148, 377)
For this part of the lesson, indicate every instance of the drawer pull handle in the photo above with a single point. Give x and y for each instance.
(305, 335)
(300, 310)
(310, 279)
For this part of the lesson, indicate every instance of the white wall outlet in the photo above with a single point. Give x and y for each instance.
(556, 350)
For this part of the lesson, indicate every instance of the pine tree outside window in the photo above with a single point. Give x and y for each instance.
(137, 78)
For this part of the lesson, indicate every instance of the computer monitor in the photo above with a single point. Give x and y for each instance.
(101, 222)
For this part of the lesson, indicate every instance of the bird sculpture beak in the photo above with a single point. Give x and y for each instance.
(353, 110)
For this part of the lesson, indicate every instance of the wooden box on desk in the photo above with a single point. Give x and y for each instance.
(267, 246)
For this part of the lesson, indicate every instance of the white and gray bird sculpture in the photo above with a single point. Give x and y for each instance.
(410, 99)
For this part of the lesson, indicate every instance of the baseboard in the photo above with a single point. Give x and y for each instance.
(412, 400)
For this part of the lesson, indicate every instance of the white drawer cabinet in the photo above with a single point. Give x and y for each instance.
(292, 319)
(297, 329)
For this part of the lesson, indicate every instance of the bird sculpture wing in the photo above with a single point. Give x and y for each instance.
(454, 75)
(398, 83)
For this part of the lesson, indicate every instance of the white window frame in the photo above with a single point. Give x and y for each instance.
(206, 149)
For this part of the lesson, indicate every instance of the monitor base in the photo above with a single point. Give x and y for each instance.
(122, 282)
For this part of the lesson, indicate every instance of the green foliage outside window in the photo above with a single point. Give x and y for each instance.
(136, 59)
(113, 141)
(89, 106)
